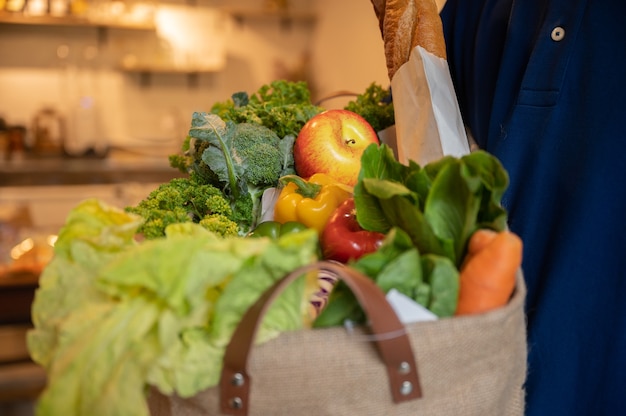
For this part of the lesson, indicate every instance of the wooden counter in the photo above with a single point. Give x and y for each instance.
(69, 171)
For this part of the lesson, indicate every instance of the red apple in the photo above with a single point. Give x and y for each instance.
(332, 142)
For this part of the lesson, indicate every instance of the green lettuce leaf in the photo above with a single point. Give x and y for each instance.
(439, 205)
(113, 316)
(442, 278)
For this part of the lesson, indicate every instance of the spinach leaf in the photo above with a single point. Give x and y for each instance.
(443, 279)
(402, 274)
(452, 207)
(439, 205)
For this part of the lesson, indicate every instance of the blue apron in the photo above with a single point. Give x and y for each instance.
(542, 86)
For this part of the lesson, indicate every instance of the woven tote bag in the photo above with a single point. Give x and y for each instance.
(466, 365)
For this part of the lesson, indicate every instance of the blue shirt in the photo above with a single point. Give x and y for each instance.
(542, 86)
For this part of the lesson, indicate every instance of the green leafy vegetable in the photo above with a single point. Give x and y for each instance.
(113, 316)
(375, 106)
(443, 281)
(428, 213)
(185, 200)
(439, 205)
(282, 106)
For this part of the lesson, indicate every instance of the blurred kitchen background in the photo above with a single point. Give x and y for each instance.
(128, 74)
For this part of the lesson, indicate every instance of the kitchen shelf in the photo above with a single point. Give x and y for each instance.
(145, 72)
(284, 16)
(114, 169)
(167, 69)
(23, 19)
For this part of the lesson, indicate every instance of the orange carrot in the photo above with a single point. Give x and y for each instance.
(479, 240)
(487, 277)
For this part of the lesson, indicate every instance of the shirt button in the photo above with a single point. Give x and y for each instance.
(558, 33)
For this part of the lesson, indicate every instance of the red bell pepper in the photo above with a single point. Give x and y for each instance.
(343, 239)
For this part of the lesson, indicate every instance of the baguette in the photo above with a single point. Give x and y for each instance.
(405, 24)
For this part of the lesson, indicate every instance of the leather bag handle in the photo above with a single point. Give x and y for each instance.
(335, 94)
(395, 351)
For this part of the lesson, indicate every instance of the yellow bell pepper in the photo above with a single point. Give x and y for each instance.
(310, 202)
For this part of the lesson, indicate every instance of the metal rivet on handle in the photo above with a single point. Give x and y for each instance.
(236, 403)
(237, 379)
(406, 388)
(404, 367)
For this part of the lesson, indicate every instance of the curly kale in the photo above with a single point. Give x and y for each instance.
(185, 200)
(375, 106)
(282, 106)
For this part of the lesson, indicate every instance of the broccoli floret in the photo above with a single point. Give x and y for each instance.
(241, 159)
(257, 148)
(185, 200)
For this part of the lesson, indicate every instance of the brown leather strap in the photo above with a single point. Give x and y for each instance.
(388, 333)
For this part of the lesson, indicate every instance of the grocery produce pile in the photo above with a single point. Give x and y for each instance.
(149, 295)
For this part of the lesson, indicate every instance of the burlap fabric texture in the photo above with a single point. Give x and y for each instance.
(470, 365)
